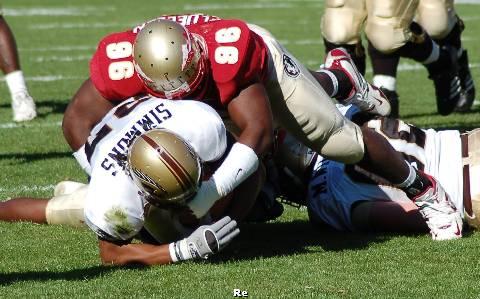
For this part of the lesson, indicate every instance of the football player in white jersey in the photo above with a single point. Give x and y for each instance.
(349, 198)
(145, 159)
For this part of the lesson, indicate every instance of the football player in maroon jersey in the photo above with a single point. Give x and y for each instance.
(243, 72)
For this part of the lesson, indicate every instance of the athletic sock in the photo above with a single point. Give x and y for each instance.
(415, 183)
(16, 82)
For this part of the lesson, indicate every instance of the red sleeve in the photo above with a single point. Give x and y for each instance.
(237, 57)
(111, 68)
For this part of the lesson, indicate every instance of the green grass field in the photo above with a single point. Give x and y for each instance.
(284, 259)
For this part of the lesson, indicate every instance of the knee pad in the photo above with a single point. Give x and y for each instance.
(67, 209)
(388, 23)
(342, 21)
(437, 17)
(345, 145)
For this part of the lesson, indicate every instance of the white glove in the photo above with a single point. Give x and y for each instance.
(205, 240)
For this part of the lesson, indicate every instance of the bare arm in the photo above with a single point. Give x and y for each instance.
(205, 241)
(85, 110)
(144, 254)
(251, 112)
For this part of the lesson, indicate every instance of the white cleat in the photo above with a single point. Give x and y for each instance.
(366, 96)
(23, 107)
(66, 187)
(443, 219)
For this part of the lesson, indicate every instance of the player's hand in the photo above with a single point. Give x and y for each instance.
(207, 240)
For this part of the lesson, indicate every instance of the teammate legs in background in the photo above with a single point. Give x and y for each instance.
(23, 105)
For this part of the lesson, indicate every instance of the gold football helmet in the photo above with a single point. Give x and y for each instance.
(165, 167)
(169, 59)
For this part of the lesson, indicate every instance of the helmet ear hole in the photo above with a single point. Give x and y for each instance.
(168, 46)
(165, 167)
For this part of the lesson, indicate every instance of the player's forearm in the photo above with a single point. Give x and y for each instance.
(144, 254)
(251, 112)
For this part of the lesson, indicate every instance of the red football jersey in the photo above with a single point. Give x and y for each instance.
(237, 56)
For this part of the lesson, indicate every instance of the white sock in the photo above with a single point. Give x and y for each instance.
(384, 81)
(334, 81)
(410, 179)
(16, 82)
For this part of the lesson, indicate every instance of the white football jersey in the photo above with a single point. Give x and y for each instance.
(334, 187)
(113, 208)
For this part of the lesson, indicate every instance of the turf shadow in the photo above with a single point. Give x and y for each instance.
(473, 110)
(46, 107)
(70, 275)
(296, 237)
(31, 157)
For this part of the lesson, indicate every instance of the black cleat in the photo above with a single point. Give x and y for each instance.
(444, 73)
(466, 81)
(392, 97)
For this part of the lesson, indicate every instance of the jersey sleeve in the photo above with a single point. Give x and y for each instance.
(113, 208)
(111, 68)
(237, 56)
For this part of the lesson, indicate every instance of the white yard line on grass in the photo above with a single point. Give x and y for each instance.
(236, 6)
(59, 48)
(27, 188)
(54, 26)
(13, 125)
(58, 11)
(51, 78)
(62, 58)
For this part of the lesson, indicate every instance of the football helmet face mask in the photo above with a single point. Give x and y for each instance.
(169, 59)
(165, 167)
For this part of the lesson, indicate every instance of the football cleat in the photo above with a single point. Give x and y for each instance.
(366, 96)
(23, 107)
(439, 212)
(467, 95)
(392, 97)
(444, 73)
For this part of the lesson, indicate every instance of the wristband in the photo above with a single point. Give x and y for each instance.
(239, 164)
(179, 251)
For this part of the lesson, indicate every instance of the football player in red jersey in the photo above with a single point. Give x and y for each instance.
(243, 71)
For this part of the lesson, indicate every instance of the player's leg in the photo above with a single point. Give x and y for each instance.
(380, 158)
(24, 209)
(439, 19)
(341, 26)
(384, 67)
(390, 30)
(22, 103)
(387, 216)
(65, 207)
